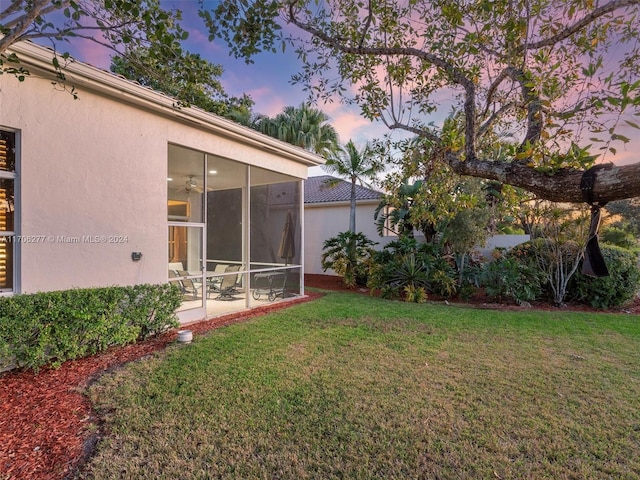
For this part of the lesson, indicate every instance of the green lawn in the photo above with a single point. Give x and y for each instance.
(351, 387)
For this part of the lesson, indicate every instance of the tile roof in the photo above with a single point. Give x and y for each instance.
(316, 190)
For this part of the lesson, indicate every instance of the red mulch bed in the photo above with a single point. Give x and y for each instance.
(46, 422)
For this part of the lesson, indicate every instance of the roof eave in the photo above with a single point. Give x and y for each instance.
(92, 78)
(342, 203)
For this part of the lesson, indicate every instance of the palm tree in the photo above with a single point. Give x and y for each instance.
(303, 126)
(357, 166)
(244, 115)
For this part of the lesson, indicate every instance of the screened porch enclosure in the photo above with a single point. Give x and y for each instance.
(234, 239)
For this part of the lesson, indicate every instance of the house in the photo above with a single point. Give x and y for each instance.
(327, 204)
(122, 187)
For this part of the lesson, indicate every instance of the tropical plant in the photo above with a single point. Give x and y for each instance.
(244, 115)
(559, 255)
(400, 275)
(359, 166)
(405, 263)
(415, 294)
(411, 275)
(554, 252)
(443, 282)
(303, 126)
(385, 262)
(394, 210)
(348, 255)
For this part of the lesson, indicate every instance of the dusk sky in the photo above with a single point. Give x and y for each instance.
(267, 81)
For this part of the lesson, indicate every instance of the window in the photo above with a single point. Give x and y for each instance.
(7, 209)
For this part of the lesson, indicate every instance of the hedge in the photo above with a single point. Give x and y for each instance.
(53, 327)
(615, 290)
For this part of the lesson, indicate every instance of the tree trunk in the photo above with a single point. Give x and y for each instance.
(352, 210)
(611, 182)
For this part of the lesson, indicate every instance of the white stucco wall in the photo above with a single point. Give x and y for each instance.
(86, 171)
(323, 221)
(501, 241)
(97, 167)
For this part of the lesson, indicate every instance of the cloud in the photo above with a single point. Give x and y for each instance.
(199, 37)
(92, 53)
(349, 125)
(269, 101)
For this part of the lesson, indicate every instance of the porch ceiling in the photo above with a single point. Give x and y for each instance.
(227, 171)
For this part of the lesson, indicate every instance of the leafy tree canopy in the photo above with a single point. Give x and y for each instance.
(425, 194)
(190, 79)
(148, 36)
(548, 74)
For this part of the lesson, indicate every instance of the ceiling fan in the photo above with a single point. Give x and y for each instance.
(191, 186)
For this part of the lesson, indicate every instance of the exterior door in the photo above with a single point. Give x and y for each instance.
(186, 268)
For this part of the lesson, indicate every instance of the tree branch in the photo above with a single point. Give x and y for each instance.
(366, 26)
(532, 102)
(614, 183)
(418, 131)
(457, 76)
(20, 25)
(39, 9)
(571, 29)
(484, 128)
(492, 90)
(14, 6)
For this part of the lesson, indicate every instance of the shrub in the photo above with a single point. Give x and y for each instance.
(618, 288)
(443, 279)
(620, 237)
(554, 263)
(403, 263)
(52, 327)
(152, 308)
(442, 282)
(348, 255)
(415, 294)
(510, 278)
(411, 276)
(380, 270)
(386, 262)
(523, 252)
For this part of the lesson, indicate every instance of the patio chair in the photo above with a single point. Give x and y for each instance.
(228, 284)
(214, 281)
(186, 285)
(174, 274)
(176, 266)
